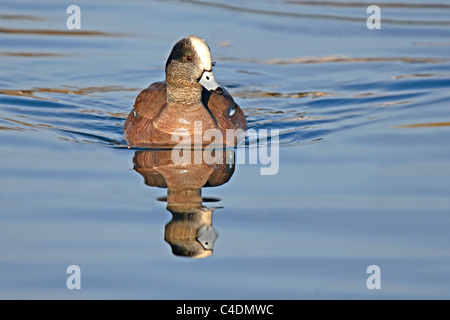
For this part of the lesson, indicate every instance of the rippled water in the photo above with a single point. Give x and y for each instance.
(364, 162)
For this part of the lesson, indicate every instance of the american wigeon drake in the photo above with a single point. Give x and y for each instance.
(189, 96)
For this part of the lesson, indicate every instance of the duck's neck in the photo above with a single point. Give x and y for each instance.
(185, 95)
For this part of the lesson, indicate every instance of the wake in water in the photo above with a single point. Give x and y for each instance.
(97, 114)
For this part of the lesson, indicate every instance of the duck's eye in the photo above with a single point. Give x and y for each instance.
(189, 58)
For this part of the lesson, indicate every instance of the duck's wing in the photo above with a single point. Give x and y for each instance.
(139, 125)
(151, 100)
(226, 112)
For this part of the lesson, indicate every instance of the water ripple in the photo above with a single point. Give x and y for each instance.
(59, 32)
(339, 17)
(301, 117)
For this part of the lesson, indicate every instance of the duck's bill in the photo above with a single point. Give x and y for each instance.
(209, 83)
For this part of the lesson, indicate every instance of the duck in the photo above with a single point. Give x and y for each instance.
(187, 104)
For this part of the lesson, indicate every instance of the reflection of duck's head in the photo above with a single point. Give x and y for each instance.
(190, 232)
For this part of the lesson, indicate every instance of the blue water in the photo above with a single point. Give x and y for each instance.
(364, 157)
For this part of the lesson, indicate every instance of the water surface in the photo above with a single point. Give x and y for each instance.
(364, 151)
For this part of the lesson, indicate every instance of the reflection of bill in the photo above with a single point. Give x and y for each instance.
(190, 232)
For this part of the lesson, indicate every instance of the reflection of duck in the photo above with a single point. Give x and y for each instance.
(182, 100)
(190, 232)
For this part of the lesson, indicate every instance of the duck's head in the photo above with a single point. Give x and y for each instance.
(189, 65)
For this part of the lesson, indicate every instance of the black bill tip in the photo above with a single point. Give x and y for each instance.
(219, 90)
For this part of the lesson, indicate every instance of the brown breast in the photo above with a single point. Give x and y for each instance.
(152, 121)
